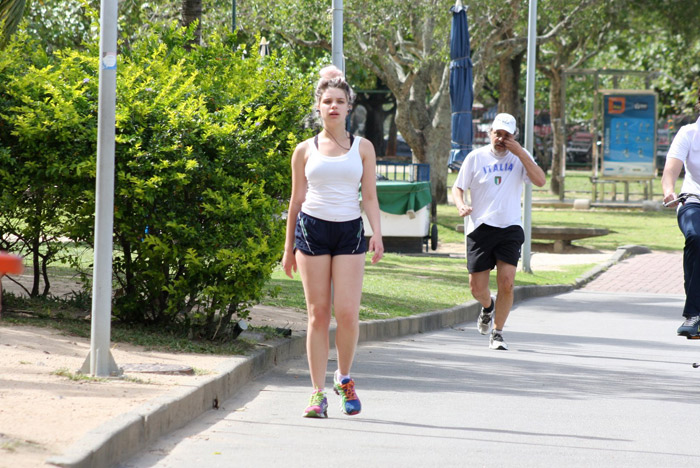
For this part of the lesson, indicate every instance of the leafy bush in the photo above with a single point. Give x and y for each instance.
(203, 145)
(203, 140)
(47, 131)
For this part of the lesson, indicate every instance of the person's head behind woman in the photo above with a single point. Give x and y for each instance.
(332, 77)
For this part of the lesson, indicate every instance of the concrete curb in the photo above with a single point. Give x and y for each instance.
(120, 438)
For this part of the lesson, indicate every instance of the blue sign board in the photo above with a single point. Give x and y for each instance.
(629, 138)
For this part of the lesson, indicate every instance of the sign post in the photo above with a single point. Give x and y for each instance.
(629, 134)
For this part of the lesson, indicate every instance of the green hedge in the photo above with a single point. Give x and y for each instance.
(203, 144)
(47, 132)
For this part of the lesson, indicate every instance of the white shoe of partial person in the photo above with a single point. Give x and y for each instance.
(483, 323)
(497, 342)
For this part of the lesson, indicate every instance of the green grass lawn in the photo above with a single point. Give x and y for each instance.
(402, 285)
(399, 285)
(657, 230)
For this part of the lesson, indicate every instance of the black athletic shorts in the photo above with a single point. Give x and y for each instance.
(486, 244)
(315, 236)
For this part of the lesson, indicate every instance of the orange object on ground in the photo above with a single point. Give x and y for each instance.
(10, 264)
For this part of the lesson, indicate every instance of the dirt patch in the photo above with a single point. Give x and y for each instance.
(43, 411)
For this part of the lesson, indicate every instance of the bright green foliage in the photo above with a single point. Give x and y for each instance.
(202, 163)
(202, 172)
(47, 132)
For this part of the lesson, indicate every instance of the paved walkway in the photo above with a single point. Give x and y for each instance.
(655, 273)
(644, 292)
(569, 392)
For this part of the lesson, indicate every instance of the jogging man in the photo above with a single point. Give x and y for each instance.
(685, 153)
(494, 176)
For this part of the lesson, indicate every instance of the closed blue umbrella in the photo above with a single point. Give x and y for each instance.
(461, 83)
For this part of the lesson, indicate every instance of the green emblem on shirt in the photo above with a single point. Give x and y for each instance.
(497, 180)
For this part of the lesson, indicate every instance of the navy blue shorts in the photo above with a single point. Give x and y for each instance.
(487, 244)
(315, 236)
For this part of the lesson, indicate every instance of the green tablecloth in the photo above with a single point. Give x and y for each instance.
(401, 197)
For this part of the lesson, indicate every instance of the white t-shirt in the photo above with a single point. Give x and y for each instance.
(686, 147)
(333, 184)
(495, 185)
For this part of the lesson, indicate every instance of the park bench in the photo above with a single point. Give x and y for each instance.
(596, 181)
(563, 235)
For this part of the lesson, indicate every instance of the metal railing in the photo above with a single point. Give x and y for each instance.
(405, 172)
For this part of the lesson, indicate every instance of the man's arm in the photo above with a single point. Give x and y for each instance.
(534, 172)
(458, 197)
(672, 169)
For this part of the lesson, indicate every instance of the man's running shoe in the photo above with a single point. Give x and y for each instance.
(349, 403)
(497, 341)
(690, 328)
(483, 323)
(318, 406)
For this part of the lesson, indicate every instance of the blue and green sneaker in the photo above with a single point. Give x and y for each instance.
(349, 403)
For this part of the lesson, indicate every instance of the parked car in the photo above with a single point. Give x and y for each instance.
(579, 149)
(403, 151)
(663, 142)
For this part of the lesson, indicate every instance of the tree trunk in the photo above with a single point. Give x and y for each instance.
(405, 120)
(45, 276)
(36, 266)
(438, 149)
(192, 11)
(429, 139)
(391, 143)
(508, 92)
(556, 113)
(36, 242)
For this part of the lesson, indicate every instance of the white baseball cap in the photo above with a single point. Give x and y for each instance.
(504, 122)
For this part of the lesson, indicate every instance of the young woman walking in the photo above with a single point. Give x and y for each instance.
(325, 237)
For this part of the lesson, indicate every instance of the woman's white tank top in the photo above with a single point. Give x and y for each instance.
(333, 184)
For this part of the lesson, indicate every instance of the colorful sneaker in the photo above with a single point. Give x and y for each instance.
(483, 323)
(690, 328)
(318, 405)
(497, 341)
(349, 403)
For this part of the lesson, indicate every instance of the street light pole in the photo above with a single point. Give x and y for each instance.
(337, 36)
(529, 128)
(100, 362)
